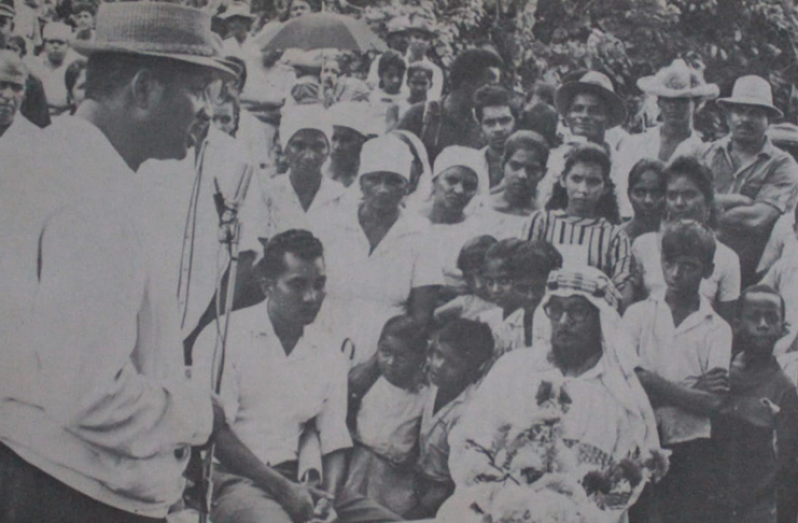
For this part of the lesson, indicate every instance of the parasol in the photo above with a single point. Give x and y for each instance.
(321, 31)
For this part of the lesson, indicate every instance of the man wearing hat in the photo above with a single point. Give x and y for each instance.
(98, 416)
(52, 65)
(13, 75)
(238, 21)
(396, 38)
(419, 35)
(303, 197)
(351, 128)
(679, 90)
(590, 108)
(755, 182)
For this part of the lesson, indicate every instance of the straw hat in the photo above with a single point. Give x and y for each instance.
(752, 90)
(12, 69)
(155, 29)
(596, 83)
(239, 9)
(678, 80)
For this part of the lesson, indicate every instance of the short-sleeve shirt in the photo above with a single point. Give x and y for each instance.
(364, 288)
(772, 177)
(680, 354)
(584, 241)
(269, 396)
(722, 286)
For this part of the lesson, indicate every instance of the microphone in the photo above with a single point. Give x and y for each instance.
(227, 209)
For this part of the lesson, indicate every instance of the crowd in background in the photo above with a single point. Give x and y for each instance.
(433, 267)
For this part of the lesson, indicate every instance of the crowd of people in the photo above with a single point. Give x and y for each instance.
(452, 301)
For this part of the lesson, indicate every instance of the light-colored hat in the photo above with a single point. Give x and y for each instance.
(240, 9)
(678, 80)
(57, 31)
(299, 117)
(12, 69)
(596, 83)
(385, 154)
(752, 90)
(354, 115)
(425, 24)
(155, 29)
(398, 24)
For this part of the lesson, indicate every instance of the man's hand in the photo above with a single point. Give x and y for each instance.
(301, 502)
(715, 381)
(324, 511)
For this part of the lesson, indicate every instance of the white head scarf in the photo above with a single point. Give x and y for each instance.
(385, 154)
(299, 117)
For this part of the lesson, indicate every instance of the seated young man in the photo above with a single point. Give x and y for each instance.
(282, 385)
(683, 349)
(757, 429)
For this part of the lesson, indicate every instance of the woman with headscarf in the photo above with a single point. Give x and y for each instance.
(379, 264)
(560, 419)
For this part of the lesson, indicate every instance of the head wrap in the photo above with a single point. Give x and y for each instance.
(618, 351)
(300, 117)
(385, 154)
(353, 115)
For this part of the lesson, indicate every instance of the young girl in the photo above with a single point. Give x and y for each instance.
(647, 196)
(471, 262)
(458, 356)
(582, 217)
(388, 419)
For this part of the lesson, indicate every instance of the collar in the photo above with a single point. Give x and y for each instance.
(768, 150)
(705, 310)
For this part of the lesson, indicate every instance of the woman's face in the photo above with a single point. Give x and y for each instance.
(299, 8)
(685, 201)
(383, 190)
(522, 172)
(646, 196)
(585, 186)
(454, 188)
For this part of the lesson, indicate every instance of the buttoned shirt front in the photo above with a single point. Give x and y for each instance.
(771, 177)
(365, 288)
(681, 354)
(94, 392)
(269, 397)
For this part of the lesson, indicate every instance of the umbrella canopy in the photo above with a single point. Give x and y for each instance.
(321, 31)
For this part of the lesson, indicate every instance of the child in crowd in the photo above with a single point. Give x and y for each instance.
(647, 195)
(516, 272)
(457, 360)
(386, 100)
(471, 262)
(757, 429)
(582, 216)
(388, 419)
(683, 349)
(419, 82)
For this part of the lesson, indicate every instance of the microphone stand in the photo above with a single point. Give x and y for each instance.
(230, 236)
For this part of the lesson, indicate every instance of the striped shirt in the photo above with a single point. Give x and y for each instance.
(584, 241)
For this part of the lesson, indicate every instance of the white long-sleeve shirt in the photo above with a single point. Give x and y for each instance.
(92, 389)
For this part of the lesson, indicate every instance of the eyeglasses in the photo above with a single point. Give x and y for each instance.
(577, 313)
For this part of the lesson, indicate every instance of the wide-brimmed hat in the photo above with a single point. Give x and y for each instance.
(678, 80)
(398, 24)
(752, 90)
(239, 9)
(156, 29)
(596, 83)
(12, 69)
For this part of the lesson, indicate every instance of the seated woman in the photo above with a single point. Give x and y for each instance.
(388, 417)
(460, 350)
(378, 262)
(582, 216)
(562, 432)
(511, 203)
(647, 196)
(689, 195)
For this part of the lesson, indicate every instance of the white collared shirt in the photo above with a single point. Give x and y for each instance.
(93, 391)
(680, 354)
(365, 289)
(275, 208)
(269, 396)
